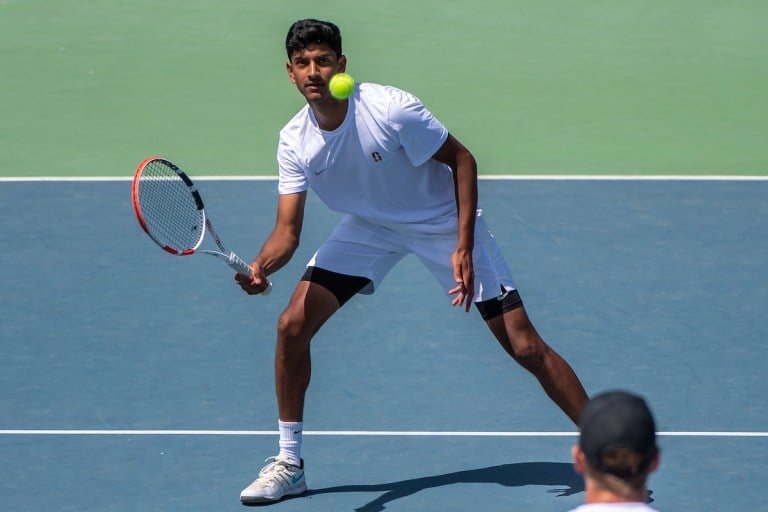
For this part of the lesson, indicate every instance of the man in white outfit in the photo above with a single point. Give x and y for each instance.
(616, 453)
(405, 186)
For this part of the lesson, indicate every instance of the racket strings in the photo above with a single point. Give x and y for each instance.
(169, 208)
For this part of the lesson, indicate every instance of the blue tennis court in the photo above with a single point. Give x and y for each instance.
(134, 380)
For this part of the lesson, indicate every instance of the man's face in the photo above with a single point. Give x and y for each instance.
(312, 68)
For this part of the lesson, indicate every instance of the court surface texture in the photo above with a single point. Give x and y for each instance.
(134, 380)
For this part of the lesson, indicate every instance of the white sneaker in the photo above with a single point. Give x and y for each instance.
(277, 479)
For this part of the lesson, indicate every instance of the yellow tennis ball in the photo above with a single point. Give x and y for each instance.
(341, 86)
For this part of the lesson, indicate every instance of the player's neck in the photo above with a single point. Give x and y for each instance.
(330, 114)
(597, 494)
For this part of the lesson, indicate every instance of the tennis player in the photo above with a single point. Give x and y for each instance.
(616, 453)
(405, 186)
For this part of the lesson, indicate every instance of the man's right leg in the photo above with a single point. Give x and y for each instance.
(310, 306)
(316, 298)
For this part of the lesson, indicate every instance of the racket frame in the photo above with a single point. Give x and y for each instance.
(229, 257)
(192, 190)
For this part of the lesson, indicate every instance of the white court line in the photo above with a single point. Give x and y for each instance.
(126, 178)
(357, 433)
(629, 177)
(485, 177)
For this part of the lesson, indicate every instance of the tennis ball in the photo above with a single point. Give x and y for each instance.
(341, 86)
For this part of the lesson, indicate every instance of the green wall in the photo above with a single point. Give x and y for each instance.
(89, 88)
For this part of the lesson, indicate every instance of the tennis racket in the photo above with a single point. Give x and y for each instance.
(170, 210)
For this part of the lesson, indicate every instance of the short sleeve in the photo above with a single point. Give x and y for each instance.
(291, 174)
(419, 132)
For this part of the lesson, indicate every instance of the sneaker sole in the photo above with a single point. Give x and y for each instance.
(254, 500)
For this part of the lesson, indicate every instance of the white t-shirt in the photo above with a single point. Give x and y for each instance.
(377, 165)
(614, 507)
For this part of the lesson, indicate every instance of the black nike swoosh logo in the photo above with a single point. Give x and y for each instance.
(321, 171)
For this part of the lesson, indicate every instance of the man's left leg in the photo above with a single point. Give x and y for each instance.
(517, 335)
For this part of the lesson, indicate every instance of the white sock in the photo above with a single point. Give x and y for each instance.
(290, 440)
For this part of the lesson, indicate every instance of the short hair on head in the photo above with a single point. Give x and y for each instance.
(310, 32)
(621, 486)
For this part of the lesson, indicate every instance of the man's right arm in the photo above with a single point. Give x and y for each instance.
(280, 244)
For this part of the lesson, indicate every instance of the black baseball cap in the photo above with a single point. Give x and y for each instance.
(618, 434)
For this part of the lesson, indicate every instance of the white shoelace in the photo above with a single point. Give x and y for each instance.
(276, 469)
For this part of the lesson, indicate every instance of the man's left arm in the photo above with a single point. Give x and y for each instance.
(460, 160)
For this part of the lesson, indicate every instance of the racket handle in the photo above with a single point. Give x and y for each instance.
(241, 267)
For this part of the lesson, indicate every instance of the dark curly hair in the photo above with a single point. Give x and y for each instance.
(310, 32)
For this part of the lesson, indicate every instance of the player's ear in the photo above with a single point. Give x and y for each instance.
(289, 70)
(342, 64)
(655, 462)
(579, 462)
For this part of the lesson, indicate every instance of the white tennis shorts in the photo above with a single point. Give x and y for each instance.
(358, 247)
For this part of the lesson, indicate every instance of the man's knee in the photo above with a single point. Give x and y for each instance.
(289, 324)
(529, 352)
(293, 332)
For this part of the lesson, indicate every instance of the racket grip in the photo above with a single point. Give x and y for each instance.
(241, 267)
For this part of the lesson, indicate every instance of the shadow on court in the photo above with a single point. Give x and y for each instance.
(556, 474)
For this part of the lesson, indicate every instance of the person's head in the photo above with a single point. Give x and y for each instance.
(306, 33)
(617, 448)
(314, 56)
